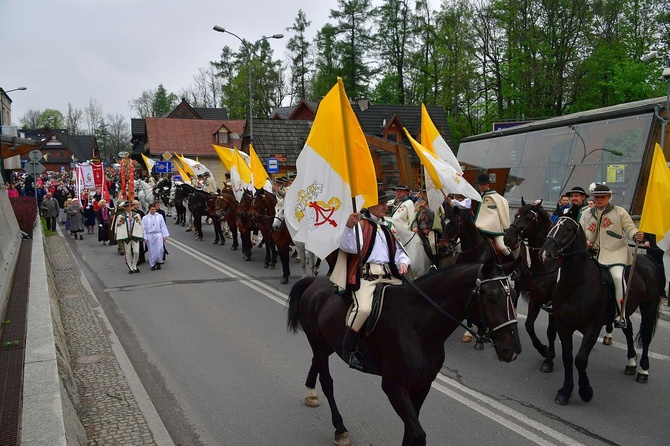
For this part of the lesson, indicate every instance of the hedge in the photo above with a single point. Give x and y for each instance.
(25, 210)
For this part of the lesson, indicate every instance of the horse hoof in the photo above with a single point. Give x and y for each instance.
(586, 394)
(188, 229)
(479, 346)
(547, 367)
(284, 280)
(342, 439)
(642, 378)
(247, 258)
(312, 401)
(561, 400)
(630, 370)
(216, 242)
(607, 340)
(222, 242)
(272, 266)
(466, 338)
(265, 265)
(233, 248)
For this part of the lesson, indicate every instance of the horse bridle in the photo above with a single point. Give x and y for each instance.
(552, 232)
(476, 293)
(521, 231)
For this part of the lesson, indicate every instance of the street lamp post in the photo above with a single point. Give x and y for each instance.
(220, 29)
(2, 112)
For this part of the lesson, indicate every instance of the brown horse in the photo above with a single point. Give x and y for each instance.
(262, 210)
(278, 232)
(225, 209)
(406, 347)
(583, 303)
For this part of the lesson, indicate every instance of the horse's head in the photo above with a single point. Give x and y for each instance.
(566, 236)
(453, 224)
(529, 221)
(280, 214)
(496, 297)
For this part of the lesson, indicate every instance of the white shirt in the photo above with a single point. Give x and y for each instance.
(380, 250)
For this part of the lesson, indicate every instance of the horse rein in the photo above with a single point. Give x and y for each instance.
(552, 233)
(475, 292)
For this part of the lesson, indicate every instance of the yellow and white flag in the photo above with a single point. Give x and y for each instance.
(441, 177)
(240, 175)
(225, 155)
(334, 169)
(655, 218)
(259, 176)
(148, 162)
(184, 175)
(433, 141)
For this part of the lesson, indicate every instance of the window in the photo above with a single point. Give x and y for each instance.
(222, 137)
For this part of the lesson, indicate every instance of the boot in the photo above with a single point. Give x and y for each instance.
(349, 353)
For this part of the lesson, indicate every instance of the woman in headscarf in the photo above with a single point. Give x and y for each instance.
(76, 215)
(104, 216)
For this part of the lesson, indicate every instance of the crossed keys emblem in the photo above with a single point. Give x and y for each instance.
(322, 212)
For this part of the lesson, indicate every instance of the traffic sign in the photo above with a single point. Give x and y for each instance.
(34, 168)
(35, 155)
(163, 167)
(273, 165)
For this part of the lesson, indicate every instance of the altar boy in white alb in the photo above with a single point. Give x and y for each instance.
(155, 233)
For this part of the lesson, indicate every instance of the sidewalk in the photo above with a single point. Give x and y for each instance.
(114, 407)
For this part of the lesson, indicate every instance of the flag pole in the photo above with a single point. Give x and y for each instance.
(622, 313)
(350, 169)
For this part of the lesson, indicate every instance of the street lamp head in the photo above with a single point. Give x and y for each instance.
(277, 36)
(220, 29)
(15, 89)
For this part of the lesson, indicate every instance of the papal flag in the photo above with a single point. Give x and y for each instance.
(435, 143)
(259, 176)
(225, 155)
(184, 175)
(240, 175)
(655, 217)
(185, 166)
(148, 162)
(441, 177)
(335, 170)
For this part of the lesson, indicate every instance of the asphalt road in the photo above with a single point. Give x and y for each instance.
(207, 336)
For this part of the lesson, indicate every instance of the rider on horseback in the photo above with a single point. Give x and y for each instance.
(492, 216)
(403, 207)
(606, 227)
(428, 225)
(383, 261)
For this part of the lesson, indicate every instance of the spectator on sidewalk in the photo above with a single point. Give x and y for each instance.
(50, 210)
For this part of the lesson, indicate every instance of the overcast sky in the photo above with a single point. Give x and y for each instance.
(69, 51)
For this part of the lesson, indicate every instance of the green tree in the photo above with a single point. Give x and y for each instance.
(52, 118)
(327, 63)
(163, 102)
(353, 24)
(30, 119)
(301, 60)
(394, 39)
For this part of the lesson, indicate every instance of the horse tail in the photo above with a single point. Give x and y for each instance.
(647, 331)
(293, 319)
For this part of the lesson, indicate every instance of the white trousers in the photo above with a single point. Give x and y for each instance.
(363, 297)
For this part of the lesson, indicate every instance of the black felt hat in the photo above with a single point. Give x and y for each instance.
(602, 189)
(483, 179)
(577, 190)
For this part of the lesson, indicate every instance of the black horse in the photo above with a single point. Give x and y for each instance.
(406, 348)
(529, 230)
(197, 204)
(162, 191)
(262, 212)
(582, 303)
(460, 229)
(180, 201)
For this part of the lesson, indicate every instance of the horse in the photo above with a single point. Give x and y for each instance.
(406, 347)
(163, 191)
(583, 303)
(529, 229)
(179, 199)
(197, 204)
(306, 257)
(262, 211)
(225, 208)
(145, 194)
(460, 230)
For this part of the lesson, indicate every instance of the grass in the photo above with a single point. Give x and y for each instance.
(47, 233)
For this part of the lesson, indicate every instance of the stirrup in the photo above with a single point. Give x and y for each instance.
(548, 307)
(355, 362)
(618, 323)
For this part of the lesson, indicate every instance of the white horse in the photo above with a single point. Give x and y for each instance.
(413, 246)
(307, 258)
(145, 194)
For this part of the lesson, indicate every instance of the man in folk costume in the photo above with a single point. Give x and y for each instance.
(383, 260)
(492, 217)
(428, 224)
(155, 232)
(280, 186)
(606, 227)
(209, 185)
(403, 207)
(578, 198)
(129, 232)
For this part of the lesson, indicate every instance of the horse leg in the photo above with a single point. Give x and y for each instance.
(233, 230)
(551, 341)
(631, 364)
(400, 399)
(564, 393)
(582, 361)
(607, 339)
(285, 259)
(533, 312)
(300, 249)
(217, 229)
(311, 399)
(320, 365)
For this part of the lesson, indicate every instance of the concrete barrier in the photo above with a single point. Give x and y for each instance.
(10, 242)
